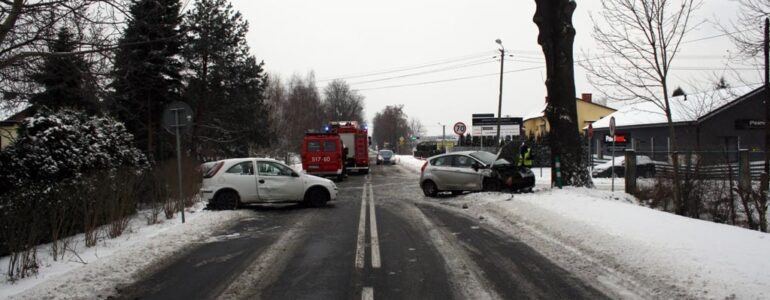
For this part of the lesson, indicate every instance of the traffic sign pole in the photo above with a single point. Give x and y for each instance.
(179, 159)
(612, 133)
(176, 115)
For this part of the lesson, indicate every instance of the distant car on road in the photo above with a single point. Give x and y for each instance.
(472, 171)
(645, 167)
(232, 182)
(386, 157)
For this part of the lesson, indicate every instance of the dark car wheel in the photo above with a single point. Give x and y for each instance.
(316, 197)
(490, 185)
(227, 200)
(429, 188)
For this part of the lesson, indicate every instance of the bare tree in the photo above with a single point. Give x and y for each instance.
(341, 103)
(557, 35)
(416, 128)
(747, 31)
(389, 126)
(26, 27)
(640, 40)
(275, 99)
(301, 112)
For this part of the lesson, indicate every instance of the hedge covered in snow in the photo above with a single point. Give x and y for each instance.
(52, 147)
(67, 172)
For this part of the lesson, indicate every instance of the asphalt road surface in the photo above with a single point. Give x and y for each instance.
(382, 239)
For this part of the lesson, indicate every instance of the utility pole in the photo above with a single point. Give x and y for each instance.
(500, 100)
(765, 178)
(767, 95)
(443, 137)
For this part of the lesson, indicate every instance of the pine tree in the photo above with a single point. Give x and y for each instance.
(226, 84)
(147, 70)
(64, 78)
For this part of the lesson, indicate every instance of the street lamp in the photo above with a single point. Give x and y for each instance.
(500, 100)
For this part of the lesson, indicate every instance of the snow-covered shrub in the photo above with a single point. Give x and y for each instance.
(51, 172)
(67, 145)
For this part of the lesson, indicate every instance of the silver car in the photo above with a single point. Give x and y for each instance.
(460, 171)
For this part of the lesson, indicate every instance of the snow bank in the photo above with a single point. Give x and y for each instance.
(706, 260)
(411, 162)
(88, 273)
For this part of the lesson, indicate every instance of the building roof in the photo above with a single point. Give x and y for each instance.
(689, 108)
(19, 116)
(535, 114)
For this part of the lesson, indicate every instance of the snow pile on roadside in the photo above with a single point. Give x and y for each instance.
(410, 162)
(95, 272)
(704, 259)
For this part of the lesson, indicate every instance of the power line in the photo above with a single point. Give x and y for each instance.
(448, 80)
(409, 68)
(470, 64)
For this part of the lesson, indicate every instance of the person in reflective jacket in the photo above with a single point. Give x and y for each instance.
(525, 156)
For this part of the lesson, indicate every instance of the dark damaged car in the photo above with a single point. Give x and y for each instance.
(458, 172)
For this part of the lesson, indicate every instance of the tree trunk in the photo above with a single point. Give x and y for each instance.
(150, 132)
(554, 20)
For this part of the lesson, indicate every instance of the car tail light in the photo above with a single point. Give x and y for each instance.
(422, 170)
(213, 171)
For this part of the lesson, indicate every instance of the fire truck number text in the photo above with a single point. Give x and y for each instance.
(319, 159)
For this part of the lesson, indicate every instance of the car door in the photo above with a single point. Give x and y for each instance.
(465, 177)
(241, 177)
(443, 172)
(278, 182)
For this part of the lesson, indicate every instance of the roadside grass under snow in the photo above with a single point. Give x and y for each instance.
(705, 259)
(95, 272)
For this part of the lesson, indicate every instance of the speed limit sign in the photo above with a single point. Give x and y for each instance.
(459, 128)
(612, 126)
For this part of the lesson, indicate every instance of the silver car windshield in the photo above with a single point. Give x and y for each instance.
(487, 158)
(386, 153)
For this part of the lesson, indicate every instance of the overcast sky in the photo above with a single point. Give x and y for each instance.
(391, 51)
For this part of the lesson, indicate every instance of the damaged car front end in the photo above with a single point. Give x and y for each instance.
(499, 174)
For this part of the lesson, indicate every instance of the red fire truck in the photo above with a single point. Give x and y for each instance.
(322, 155)
(355, 139)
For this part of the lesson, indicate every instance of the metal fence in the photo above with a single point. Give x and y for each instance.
(700, 164)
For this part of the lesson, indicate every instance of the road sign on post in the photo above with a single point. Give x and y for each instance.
(612, 133)
(460, 128)
(178, 115)
(612, 126)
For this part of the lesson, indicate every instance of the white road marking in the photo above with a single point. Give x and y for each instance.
(360, 250)
(367, 293)
(375, 241)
